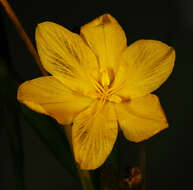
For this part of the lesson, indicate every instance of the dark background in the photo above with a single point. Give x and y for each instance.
(169, 154)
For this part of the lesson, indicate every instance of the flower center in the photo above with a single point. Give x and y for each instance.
(103, 86)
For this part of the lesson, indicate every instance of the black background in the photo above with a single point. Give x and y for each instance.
(169, 154)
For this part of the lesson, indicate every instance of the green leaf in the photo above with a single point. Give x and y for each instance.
(9, 108)
(50, 133)
(13, 129)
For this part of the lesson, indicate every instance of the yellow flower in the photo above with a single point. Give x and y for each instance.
(98, 82)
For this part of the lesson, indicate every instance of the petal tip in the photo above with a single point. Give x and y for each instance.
(104, 19)
(107, 18)
(138, 140)
(44, 26)
(21, 97)
(88, 165)
(20, 91)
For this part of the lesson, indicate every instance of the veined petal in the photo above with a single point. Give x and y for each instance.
(49, 96)
(106, 38)
(144, 66)
(66, 56)
(141, 118)
(93, 135)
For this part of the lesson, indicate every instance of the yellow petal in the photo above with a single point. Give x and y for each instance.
(66, 56)
(106, 38)
(93, 135)
(49, 96)
(141, 118)
(144, 66)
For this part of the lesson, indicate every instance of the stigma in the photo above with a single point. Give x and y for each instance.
(106, 77)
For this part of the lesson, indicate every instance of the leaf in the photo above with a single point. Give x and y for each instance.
(49, 132)
(9, 119)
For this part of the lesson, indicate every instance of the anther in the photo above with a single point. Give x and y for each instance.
(115, 98)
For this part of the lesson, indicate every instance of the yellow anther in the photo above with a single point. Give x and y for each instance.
(115, 98)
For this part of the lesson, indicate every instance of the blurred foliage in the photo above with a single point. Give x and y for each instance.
(49, 133)
(9, 118)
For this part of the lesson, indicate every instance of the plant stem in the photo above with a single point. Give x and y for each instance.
(22, 34)
(143, 164)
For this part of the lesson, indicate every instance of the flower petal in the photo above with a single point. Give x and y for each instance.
(93, 135)
(65, 55)
(145, 65)
(49, 96)
(106, 38)
(141, 118)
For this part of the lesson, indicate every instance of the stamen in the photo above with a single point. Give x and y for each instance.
(96, 85)
(115, 89)
(99, 86)
(115, 98)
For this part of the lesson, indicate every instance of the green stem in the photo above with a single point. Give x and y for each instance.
(85, 179)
